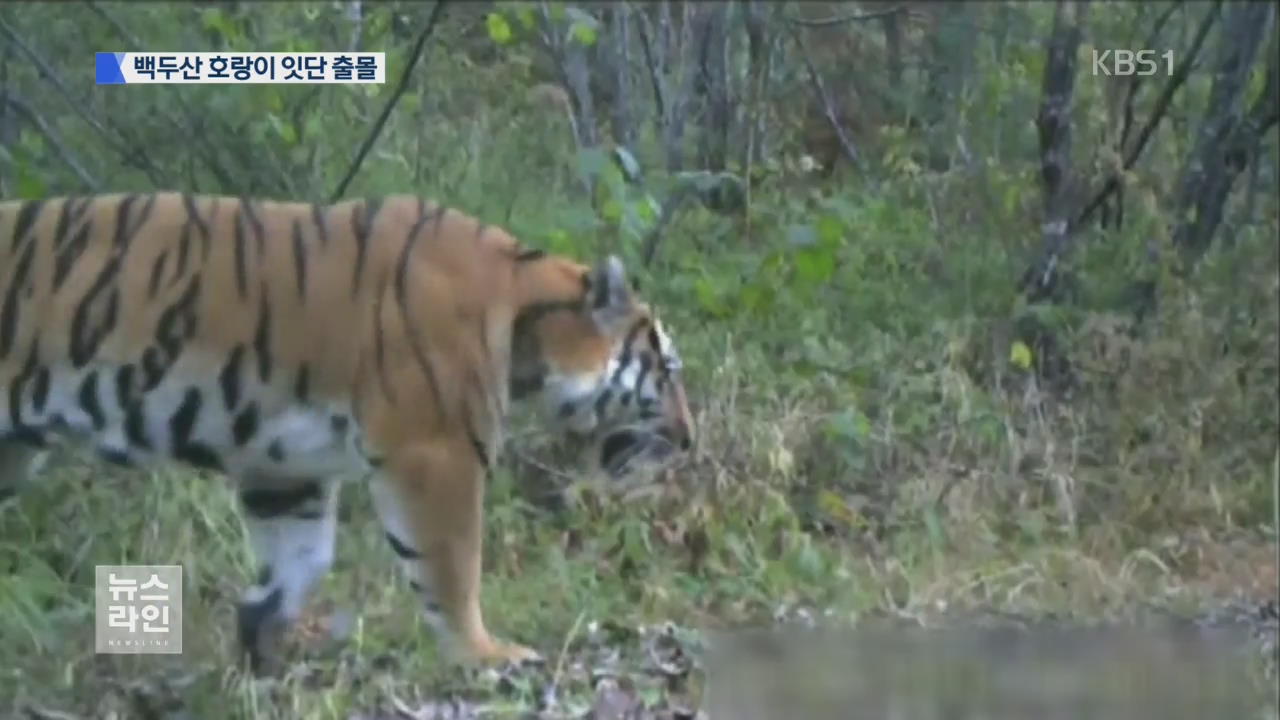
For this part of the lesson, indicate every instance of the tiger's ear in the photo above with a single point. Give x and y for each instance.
(608, 297)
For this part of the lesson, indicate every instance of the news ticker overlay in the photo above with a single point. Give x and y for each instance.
(241, 68)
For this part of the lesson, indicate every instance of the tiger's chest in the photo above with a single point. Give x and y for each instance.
(193, 422)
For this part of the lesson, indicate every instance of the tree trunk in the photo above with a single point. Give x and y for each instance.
(620, 51)
(713, 74)
(1054, 125)
(1229, 136)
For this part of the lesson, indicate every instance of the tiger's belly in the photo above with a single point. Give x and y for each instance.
(192, 422)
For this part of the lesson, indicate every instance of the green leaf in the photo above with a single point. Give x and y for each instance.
(851, 425)
(830, 230)
(815, 265)
(583, 33)
(30, 186)
(524, 13)
(499, 30)
(312, 126)
(611, 210)
(1020, 354)
(647, 209)
(709, 297)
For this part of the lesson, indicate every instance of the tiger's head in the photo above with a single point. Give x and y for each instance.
(606, 369)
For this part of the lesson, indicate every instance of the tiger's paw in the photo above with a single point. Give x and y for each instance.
(496, 652)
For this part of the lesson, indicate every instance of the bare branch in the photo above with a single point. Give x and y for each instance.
(1176, 80)
(78, 106)
(1229, 134)
(51, 137)
(355, 15)
(840, 19)
(828, 108)
(650, 61)
(436, 12)
(620, 29)
(1135, 80)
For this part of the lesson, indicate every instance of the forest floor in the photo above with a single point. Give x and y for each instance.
(629, 640)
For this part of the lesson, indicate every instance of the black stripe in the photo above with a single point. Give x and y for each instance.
(157, 271)
(482, 452)
(124, 384)
(251, 619)
(193, 218)
(299, 259)
(153, 368)
(90, 402)
(362, 219)
(229, 378)
(124, 231)
(402, 299)
(259, 233)
(135, 426)
(177, 325)
(19, 282)
(193, 215)
(40, 390)
(302, 385)
(275, 451)
(15, 398)
(624, 358)
(184, 419)
(66, 216)
(115, 456)
(602, 401)
(87, 335)
(318, 217)
(67, 255)
(379, 345)
(266, 503)
(245, 425)
(530, 255)
(67, 249)
(262, 339)
(241, 253)
(646, 364)
(184, 251)
(28, 213)
(402, 263)
(403, 551)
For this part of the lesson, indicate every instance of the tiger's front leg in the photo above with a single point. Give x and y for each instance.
(292, 524)
(430, 501)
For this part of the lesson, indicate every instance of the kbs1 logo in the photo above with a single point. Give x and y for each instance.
(1131, 62)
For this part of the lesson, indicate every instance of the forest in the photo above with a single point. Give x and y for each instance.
(978, 305)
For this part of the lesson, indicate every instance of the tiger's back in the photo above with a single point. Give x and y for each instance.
(224, 332)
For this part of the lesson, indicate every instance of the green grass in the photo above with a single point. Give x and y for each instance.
(946, 517)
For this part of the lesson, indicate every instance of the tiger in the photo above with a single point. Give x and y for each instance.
(288, 345)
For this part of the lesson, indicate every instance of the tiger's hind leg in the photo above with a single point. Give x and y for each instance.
(291, 524)
(430, 502)
(18, 462)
